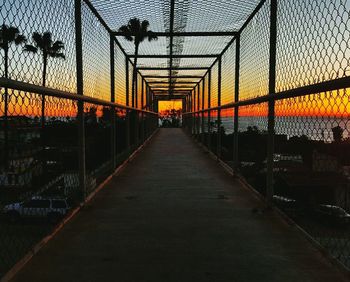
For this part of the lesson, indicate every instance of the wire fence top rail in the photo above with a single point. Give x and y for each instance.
(27, 87)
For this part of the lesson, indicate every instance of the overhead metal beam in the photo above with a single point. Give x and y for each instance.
(176, 89)
(176, 56)
(188, 34)
(176, 82)
(173, 68)
(168, 76)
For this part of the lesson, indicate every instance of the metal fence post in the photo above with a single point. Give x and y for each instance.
(271, 103)
(218, 147)
(127, 121)
(193, 120)
(202, 114)
(80, 91)
(236, 114)
(112, 110)
(142, 107)
(198, 109)
(209, 105)
(6, 124)
(136, 113)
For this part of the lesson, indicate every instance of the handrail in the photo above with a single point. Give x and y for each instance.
(28, 87)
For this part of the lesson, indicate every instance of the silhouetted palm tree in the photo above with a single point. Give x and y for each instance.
(8, 35)
(48, 48)
(136, 31)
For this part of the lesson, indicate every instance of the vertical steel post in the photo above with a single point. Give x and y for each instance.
(218, 149)
(136, 102)
(236, 115)
(136, 113)
(142, 107)
(184, 106)
(198, 108)
(209, 112)
(193, 120)
(202, 114)
(195, 111)
(127, 122)
(147, 97)
(80, 91)
(6, 124)
(271, 104)
(112, 110)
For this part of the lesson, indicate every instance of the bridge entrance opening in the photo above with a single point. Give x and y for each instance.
(170, 113)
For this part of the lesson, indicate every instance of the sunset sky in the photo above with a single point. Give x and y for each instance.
(300, 62)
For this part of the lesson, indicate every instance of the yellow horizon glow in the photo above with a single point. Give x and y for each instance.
(169, 105)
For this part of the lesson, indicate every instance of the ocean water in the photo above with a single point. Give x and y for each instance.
(316, 128)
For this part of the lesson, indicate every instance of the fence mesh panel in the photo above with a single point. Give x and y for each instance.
(31, 17)
(228, 78)
(41, 132)
(96, 65)
(312, 42)
(254, 61)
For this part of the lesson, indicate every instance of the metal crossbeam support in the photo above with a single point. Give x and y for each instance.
(167, 97)
(168, 76)
(175, 89)
(177, 82)
(187, 34)
(157, 92)
(173, 68)
(176, 56)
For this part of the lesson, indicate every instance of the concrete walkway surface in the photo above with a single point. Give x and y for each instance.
(174, 215)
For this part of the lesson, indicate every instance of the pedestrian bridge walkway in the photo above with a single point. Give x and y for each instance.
(173, 214)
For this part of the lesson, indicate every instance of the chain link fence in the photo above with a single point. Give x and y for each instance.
(58, 144)
(276, 109)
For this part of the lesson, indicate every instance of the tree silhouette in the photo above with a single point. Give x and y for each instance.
(136, 31)
(337, 133)
(8, 35)
(48, 48)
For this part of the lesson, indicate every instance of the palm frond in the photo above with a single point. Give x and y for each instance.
(12, 33)
(47, 39)
(57, 55)
(57, 46)
(134, 25)
(30, 48)
(144, 26)
(151, 36)
(20, 39)
(126, 32)
(38, 39)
